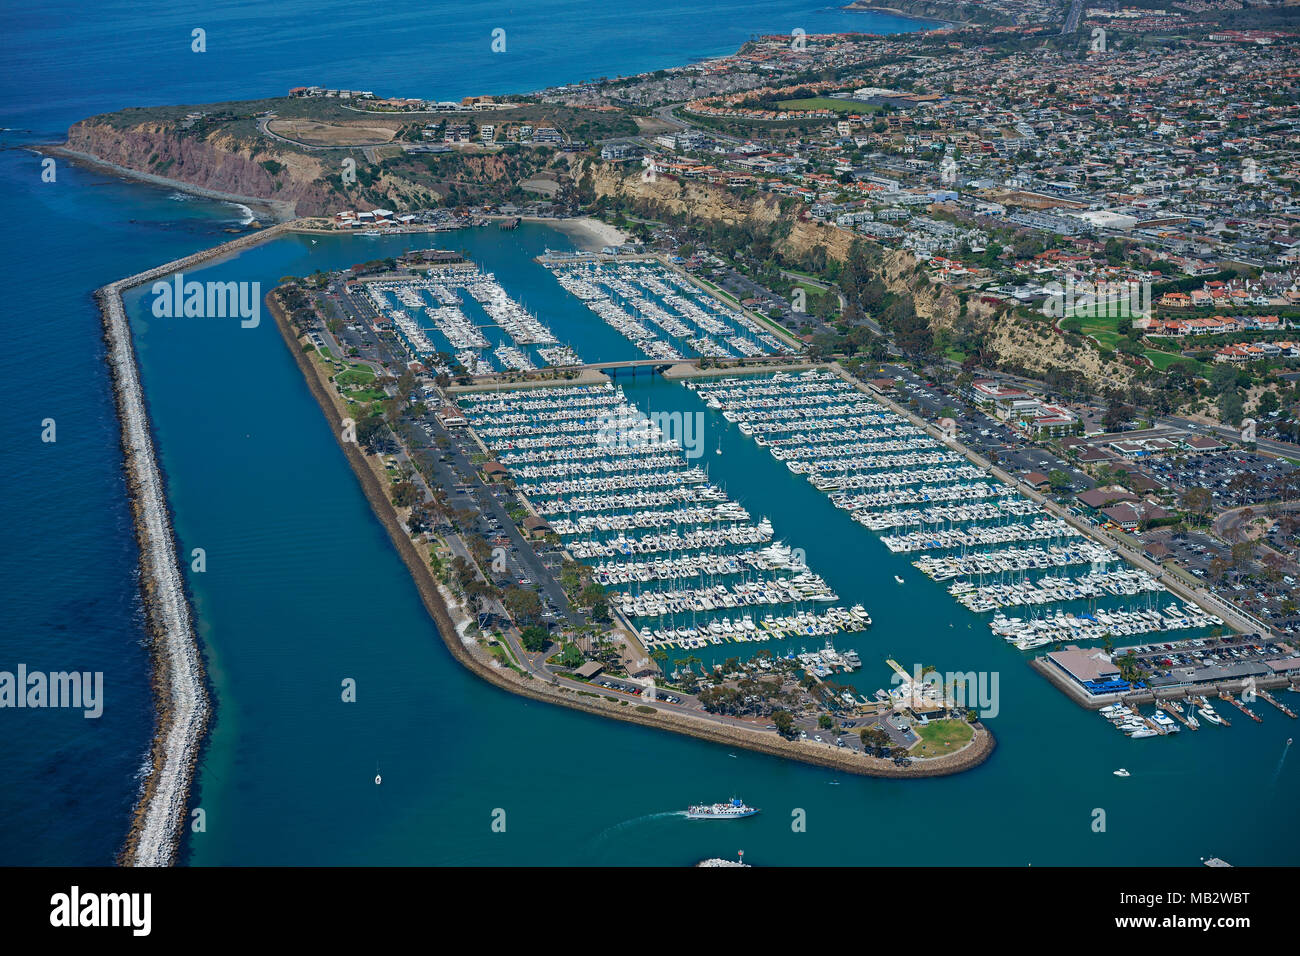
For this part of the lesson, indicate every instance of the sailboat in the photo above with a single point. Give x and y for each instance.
(378, 778)
(719, 449)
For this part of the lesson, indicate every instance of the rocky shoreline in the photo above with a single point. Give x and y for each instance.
(278, 210)
(444, 613)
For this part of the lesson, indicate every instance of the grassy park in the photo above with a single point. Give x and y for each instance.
(940, 737)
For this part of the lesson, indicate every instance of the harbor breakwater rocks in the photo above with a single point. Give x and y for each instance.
(180, 691)
(477, 661)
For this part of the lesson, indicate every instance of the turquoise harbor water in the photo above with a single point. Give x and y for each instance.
(303, 589)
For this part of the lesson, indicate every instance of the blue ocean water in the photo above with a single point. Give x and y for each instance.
(67, 554)
(303, 588)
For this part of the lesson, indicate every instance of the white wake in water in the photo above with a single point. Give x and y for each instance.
(1286, 748)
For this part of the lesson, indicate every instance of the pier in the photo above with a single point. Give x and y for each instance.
(1175, 710)
(1203, 704)
(1224, 695)
(1231, 616)
(1275, 702)
(722, 579)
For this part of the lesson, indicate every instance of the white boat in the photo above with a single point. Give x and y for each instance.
(898, 579)
(734, 809)
(1121, 772)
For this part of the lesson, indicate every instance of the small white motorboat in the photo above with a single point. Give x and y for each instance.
(898, 579)
(1121, 772)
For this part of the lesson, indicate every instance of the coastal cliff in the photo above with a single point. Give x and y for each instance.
(219, 162)
(956, 12)
(1008, 341)
(316, 157)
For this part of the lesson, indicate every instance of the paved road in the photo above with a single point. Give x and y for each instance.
(1285, 449)
(1226, 524)
(1072, 18)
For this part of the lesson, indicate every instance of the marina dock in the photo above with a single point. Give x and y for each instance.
(1260, 692)
(683, 563)
(1240, 706)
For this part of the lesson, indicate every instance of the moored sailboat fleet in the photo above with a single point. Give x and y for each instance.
(680, 560)
(428, 316)
(999, 549)
(663, 314)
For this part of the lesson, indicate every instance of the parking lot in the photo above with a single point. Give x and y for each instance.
(1207, 659)
(981, 433)
(1233, 478)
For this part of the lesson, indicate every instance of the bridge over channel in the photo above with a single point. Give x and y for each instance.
(684, 366)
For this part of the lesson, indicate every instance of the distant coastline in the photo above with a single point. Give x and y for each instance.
(907, 13)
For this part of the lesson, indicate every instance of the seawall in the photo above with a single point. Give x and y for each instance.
(180, 692)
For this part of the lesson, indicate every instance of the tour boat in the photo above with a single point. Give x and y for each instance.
(732, 810)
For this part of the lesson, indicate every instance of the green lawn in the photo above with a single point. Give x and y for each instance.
(1162, 360)
(940, 737)
(1106, 339)
(356, 375)
(827, 103)
(1106, 330)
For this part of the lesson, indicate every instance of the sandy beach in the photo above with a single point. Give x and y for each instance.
(590, 235)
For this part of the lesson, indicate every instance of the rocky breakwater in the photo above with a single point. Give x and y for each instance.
(180, 691)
